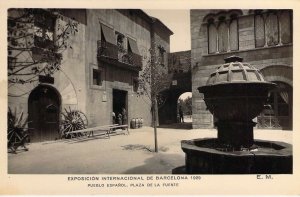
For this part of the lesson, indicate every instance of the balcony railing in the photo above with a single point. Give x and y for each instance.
(106, 49)
(132, 59)
(111, 51)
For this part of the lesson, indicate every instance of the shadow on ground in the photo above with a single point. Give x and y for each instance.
(184, 125)
(160, 163)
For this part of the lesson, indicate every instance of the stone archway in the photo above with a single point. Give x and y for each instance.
(44, 106)
(184, 107)
(181, 83)
(278, 73)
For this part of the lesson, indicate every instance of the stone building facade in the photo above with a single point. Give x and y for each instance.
(263, 38)
(99, 74)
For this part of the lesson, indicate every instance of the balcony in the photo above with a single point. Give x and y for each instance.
(111, 54)
(107, 50)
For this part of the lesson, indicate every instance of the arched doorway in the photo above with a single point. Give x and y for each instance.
(169, 111)
(184, 108)
(44, 105)
(278, 113)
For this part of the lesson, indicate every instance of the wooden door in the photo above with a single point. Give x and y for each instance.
(43, 113)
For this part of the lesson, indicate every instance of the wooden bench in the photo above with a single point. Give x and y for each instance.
(90, 131)
(105, 129)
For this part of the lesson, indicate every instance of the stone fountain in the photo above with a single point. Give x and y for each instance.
(235, 94)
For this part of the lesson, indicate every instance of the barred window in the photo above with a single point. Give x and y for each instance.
(272, 30)
(212, 38)
(259, 31)
(97, 78)
(285, 24)
(233, 32)
(223, 37)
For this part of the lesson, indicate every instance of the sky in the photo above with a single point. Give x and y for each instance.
(185, 95)
(179, 22)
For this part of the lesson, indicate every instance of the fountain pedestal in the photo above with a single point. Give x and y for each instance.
(237, 134)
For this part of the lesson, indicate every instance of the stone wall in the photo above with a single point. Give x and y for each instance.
(203, 63)
(180, 62)
(72, 91)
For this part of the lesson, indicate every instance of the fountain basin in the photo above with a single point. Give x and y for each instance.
(210, 156)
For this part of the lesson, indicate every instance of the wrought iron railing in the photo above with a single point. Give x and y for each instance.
(268, 122)
(112, 51)
(106, 49)
(132, 59)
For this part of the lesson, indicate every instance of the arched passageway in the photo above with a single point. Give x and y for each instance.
(184, 108)
(167, 110)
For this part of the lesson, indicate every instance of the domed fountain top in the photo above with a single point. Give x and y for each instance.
(235, 94)
(235, 71)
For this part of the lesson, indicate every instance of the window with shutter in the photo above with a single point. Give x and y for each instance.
(259, 31)
(108, 34)
(285, 24)
(233, 32)
(212, 38)
(272, 30)
(223, 37)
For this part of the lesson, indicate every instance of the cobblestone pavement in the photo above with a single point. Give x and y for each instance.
(121, 154)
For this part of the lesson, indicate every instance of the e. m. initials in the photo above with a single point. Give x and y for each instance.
(266, 176)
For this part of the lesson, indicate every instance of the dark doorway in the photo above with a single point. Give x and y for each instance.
(278, 114)
(119, 101)
(43, 113)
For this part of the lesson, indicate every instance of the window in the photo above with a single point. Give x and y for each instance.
(161, 51)
(223, 37)
(273, 28)
(132, 46)
(259, 31)
(107, 34)
(120, 42)
(233, 33)
(285, 27)
(97, 78)
(212, 38)
(272, 33)
(135, 84)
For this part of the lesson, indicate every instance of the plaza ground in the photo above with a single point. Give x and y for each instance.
(119, 154)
